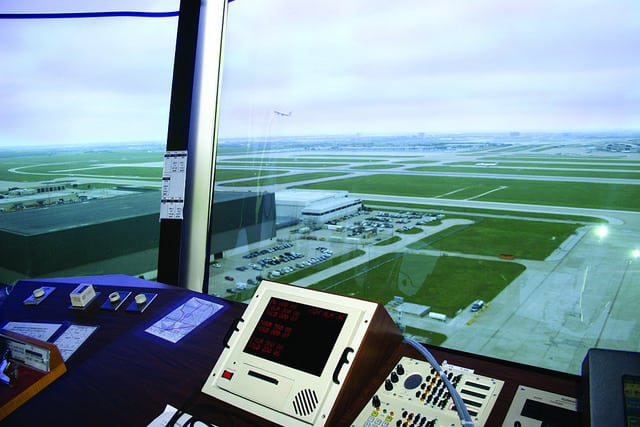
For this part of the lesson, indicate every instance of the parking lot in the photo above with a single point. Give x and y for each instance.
(298, 247)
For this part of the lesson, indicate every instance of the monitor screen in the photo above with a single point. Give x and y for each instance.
(296, 335)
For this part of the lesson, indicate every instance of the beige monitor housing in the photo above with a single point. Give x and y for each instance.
(298, 356)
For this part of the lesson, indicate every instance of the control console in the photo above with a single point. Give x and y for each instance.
(414, 394)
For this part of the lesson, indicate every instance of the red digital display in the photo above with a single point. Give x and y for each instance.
(296, 335)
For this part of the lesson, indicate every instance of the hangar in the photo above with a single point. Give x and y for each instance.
(37, 242)
(315, 207)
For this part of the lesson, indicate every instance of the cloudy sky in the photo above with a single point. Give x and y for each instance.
(85, 81)
(368, 66)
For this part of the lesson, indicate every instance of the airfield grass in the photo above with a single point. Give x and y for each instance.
(377, 166)
(554, 165)
(263, 181)
(563, 159)
(321, 266)
(233, 174)
(55, 163)
(391, 240)
(446, 283)
(425, 337)
(553, 193)
(116, 163)
(295, 159)
(416, 162)
(530, 171)
(266, 163)
(357, 157)
(524, 239)
(412, 230)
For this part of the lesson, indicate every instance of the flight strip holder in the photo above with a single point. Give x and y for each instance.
(82, 296)
(39, 295)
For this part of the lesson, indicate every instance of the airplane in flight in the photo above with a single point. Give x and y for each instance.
(280, 113)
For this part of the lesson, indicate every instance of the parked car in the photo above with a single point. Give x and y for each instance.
(477, 305)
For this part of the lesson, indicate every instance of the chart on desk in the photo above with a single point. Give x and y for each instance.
(179, 322)
(72, 338)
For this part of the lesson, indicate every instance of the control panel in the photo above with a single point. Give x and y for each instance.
(414, 394)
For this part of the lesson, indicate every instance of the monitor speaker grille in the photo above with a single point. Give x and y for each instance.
(305, 402)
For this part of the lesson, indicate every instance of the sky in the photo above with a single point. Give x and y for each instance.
(354, 66)
(85, 81)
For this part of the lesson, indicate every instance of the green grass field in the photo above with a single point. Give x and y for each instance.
(446, 283)
(535, 171)
(232, 174)
(554, 193)
(268, 163)
(269, 180)
(547, 164)
(377, 166)
(534, 240)
(563, 159)
(39, 165)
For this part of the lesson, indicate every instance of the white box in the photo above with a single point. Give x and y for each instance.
(82, 295)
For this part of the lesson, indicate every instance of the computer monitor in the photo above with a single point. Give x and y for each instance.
(298, 352)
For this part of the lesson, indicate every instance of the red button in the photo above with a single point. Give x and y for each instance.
(227, 375)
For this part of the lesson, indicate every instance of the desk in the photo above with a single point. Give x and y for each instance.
(121, 375)
(125, 376)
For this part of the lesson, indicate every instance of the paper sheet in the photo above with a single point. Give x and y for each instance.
(164, 418)
(72, 339)
(40, 331)
(175, 325)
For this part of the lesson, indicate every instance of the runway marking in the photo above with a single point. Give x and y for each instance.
(502, 187)
(450, 192)
(584, 284)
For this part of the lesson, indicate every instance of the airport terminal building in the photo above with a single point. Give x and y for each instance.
(314, 207)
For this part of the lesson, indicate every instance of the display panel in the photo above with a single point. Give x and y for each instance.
(296, 335)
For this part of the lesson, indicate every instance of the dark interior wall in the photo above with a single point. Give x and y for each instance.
(242, 212)
(14, 251)
(241, 221)
(44, 253)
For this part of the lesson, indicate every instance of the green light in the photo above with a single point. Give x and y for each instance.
(602, 231)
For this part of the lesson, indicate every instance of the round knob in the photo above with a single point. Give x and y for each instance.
(388, 385)
(394, 377)
(400, 369)
(376, 401)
